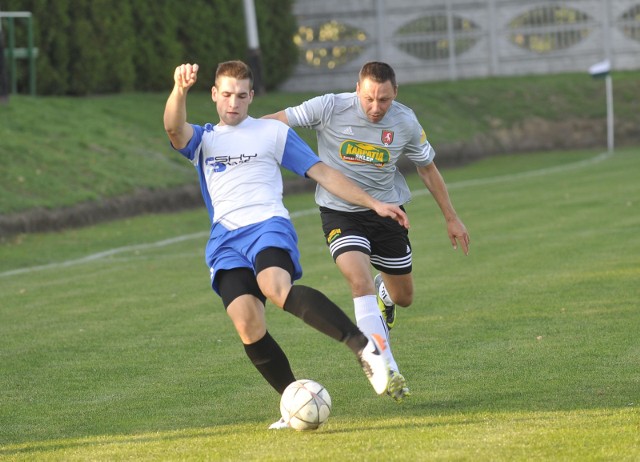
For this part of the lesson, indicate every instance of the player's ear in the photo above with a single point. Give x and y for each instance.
(214, 93)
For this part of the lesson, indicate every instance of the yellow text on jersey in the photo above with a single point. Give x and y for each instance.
(364, 153)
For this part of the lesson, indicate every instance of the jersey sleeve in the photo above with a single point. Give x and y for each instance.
(418, 149)
(190, 151)
(297, 156)
(313, 113)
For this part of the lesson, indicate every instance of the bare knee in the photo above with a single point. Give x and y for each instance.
(275, 284)
(355, 267)
(251, 327)
(250, 332)
(277, 294)
(247, 314)
(361, 286)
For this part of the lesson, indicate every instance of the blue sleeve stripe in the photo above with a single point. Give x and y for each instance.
(189, 150)
(298, 157)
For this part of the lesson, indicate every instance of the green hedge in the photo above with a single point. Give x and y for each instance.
(111, 46)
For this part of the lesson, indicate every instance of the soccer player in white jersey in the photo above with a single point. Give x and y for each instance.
(363, 134)
(252, 250)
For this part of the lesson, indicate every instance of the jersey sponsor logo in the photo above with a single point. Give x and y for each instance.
(333, 235)
(387, 137)
(363, 153)
(219, 163)
(348, 131)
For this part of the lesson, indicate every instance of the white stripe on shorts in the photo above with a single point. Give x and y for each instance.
(386, 262)
(357, 241)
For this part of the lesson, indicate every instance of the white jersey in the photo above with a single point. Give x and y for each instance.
(364, 151)
(239, 168)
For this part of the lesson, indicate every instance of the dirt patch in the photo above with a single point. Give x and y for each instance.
(537, 135)
(137, 203)
(532, 135)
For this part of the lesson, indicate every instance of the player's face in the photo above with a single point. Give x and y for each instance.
(232, 98)
(375, 98)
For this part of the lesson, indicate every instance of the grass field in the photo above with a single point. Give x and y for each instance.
(59, 151)
(113, 347)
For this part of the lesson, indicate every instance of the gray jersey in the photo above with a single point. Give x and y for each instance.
(364, 151)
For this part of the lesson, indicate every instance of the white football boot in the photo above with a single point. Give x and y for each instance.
(374, 364)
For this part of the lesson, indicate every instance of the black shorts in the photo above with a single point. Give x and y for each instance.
(383, 239)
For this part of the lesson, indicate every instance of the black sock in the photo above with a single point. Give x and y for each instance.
(315, 309)
(267, 356)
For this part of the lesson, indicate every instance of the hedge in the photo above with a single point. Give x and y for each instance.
(110, 46)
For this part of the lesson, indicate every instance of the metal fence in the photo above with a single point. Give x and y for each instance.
(427, 40)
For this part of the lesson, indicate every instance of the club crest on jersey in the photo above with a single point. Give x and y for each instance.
(387, 137)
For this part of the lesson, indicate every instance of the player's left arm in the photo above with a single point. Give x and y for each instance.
(434, 182)
(337, 183)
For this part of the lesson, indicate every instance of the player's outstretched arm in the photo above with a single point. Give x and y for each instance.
(336, 183)
(175, 111)
(434, 182)
(280, 115)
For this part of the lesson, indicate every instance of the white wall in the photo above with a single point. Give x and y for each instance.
(583, 31)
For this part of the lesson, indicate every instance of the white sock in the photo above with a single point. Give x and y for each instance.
(384, 295)
(370, 321)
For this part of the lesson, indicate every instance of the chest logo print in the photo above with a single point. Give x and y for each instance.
(219, 164)
(387, 137)
(363, 153)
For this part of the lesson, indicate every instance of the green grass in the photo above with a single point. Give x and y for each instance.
(524, 350)
(58, 152)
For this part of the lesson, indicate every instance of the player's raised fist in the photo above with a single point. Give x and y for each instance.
(186, 75)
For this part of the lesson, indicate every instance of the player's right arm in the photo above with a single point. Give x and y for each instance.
(175, 111)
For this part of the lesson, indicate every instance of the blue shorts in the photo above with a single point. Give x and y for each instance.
(238, 248)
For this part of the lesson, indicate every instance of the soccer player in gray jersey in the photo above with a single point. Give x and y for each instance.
(363, 134)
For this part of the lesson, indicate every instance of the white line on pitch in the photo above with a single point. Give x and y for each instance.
(301, 213)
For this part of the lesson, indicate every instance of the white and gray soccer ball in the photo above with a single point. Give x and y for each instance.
(305, 405)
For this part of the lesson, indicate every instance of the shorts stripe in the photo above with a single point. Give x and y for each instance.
(386, 262)
(349, 241)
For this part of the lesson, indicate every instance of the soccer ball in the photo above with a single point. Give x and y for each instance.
(305, 405)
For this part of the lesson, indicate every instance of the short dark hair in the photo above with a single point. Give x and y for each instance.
(235, 69)
(378, 72)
